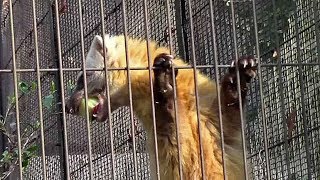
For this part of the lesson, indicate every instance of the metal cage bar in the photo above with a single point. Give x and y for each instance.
(113, 173)
(239, 89)
(43, 155)
(282, 107)
(317, 22)
(146, 20)
(145, 68)
(128, 68)
(16, 94)
(262, 104)
(217, 78)
(174, 93)
(193, 55)
(63, 103)
(85, 90)
(302, 88)
(2, 137)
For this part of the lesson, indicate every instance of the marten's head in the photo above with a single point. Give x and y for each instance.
(110, 54)
(97, 58)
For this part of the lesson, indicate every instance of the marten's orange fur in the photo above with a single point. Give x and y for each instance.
(188, 127)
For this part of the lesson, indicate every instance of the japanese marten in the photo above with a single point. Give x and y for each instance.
(164, 105)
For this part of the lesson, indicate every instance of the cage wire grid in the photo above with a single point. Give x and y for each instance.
(289, 47)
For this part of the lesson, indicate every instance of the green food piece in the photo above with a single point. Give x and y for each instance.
(92, 102)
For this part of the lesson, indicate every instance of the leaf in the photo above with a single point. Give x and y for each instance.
(16, 152)
(32, 149)
(53, 87)
(2, 121)
(48, 101)
(11, 99)
(33, 86)
(28, 154)
(24, 87)
(37, 125)
(5, 153)
(25, 162)
(70, 87)
(6, 157)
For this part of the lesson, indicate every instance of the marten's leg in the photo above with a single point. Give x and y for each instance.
(247, 71)
(163, 93)
(230, 96)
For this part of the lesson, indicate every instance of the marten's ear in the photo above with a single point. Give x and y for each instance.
(98, 44)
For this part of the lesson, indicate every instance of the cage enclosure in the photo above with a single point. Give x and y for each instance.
(43, 45)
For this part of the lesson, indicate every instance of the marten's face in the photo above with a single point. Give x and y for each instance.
(97, 57)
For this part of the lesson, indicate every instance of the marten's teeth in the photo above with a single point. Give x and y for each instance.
(96, 110)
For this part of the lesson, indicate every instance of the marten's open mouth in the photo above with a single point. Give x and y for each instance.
(97, 110)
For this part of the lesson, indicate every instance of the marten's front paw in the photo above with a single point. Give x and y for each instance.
(163, 80)
(247, 71)
(247, 68)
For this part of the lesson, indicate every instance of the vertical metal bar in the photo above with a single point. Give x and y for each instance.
(175, 91)
(2, 138)
(35, 30)
(216, 63)
(60, 120)
(280, 82)
(124, 16)
(107, 89)
(176, 108)
(16, 94)
(184, 29)
(317, 31)
(179, 28)
(169, 24)
(193, 55)
(146, 20)
(264, 121)
(84, 70)
(65, 134)
(302, 89)
(239, 90)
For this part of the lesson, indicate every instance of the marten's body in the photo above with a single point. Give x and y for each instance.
(165, 116)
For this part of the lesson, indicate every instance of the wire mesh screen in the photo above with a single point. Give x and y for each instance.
(25, 58)
(287, 146)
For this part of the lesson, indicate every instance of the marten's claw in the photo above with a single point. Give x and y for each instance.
(247, 71)
(247, 67)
